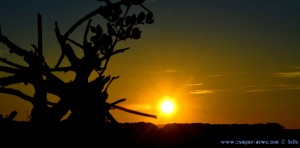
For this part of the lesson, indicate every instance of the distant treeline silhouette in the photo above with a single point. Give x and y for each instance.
(143, 134)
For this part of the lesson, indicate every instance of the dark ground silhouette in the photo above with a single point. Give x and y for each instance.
(143, 134)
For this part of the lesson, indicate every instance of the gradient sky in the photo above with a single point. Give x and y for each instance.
(222, 61)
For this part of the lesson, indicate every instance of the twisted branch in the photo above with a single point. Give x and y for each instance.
(16, 93)
(11, 63)
(8, 69)
(13, 47)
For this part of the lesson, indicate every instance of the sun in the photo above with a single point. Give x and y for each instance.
(167, 106)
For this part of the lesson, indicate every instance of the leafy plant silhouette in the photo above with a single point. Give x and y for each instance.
(86, 100)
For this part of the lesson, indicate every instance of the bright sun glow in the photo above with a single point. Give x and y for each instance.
(167, 106)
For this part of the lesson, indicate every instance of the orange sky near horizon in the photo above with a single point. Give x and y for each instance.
(222, 62)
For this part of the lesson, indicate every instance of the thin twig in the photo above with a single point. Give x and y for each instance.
(111, 118)
(34, 47)
(40, 37)
(145, 8)
(65, 48)
(107, 57)
(64, 69)
(85, 41)
(40, 41)
(88, 16)
(120, 50)
(133, 111)
(58, 36)
(76, 43)
(13, 47)
(119, 101)
(113, 78)
(115, 52)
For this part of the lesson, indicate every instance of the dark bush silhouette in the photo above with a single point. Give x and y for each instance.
(86, 100)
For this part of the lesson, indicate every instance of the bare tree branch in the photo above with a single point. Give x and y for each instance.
(40, 41)
(13, 47)
(55, 85)
(119, 101)
(105, 64)
(44, 81)
(145, 8)
(75, 43)
(133, 111)
(78, 23)
(11, 63)
(64, 69)
(71, 55)
(65, 48)
(51, 103)
(85, 41)
(40, 38)
(120, 50)
(34, 47)
(111, 118)
(107, 57)
(58, 36)
(113, 78)
(88, 16)
(8, 69)
(60, 60)
(5, 81)
(115, 52)
(16, 93)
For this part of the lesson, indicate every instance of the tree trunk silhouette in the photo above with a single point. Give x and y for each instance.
(86, 100)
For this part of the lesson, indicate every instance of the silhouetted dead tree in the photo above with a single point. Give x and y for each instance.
(86, 100)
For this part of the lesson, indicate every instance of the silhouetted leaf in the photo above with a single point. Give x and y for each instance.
(133, 19)
(99, 30)
(141, 17)
(149, 18)
(93, 29)
(136, 33)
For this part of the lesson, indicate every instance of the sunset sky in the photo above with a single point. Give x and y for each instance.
(219, 61)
